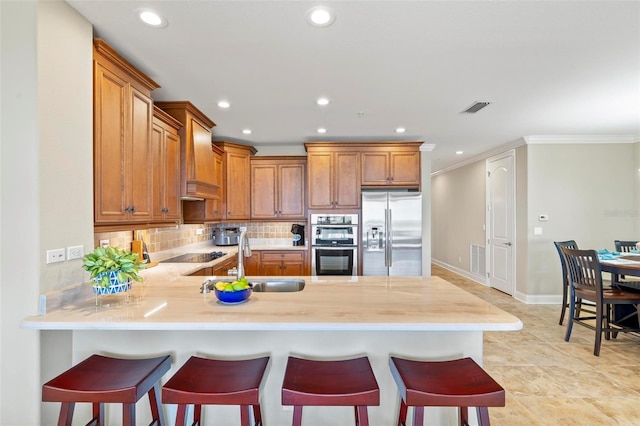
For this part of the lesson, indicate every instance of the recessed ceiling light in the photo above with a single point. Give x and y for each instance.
(151, 18)
(459, 152)
(321, 16)
(246, 131)
(321, 130)
(401, 130)
(322, 101)
(224, 104)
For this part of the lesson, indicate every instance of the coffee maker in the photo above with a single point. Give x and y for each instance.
(298, 234)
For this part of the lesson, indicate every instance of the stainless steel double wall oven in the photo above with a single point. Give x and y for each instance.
(334, 244)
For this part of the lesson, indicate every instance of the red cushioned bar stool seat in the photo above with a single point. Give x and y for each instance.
(458, 383)
(101, 379)
(330, 383)
(203, 381)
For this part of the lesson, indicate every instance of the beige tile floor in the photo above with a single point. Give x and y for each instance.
(553, 382)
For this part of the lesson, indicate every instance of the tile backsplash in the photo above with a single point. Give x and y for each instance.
(167, 238)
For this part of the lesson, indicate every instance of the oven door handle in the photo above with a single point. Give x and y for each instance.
(334, 247)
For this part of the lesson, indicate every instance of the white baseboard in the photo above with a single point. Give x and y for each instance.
(473, 277)
(539, 299)
(543, 299)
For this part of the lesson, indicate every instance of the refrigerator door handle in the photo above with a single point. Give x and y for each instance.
(386, 238)
(390, 237)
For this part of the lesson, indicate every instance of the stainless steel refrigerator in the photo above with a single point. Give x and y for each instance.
(391, 233)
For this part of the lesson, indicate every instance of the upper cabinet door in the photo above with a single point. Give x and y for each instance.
(166, 167)
(291, 191)
(264, 191)
(139, 156)
(347, 180)
(321, 176)
(237, 173)
(110, 109)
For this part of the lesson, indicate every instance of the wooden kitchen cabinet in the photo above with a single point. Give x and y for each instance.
(333, 176)
(210, 209)
(201, 211)
(219, 270)
(165, 149)
(237, 180)
(123, 115)
(222, 269)
(276, 263)
(252, 264)
(391, 165)
(286, 262)
(199, 171)
(278, 188)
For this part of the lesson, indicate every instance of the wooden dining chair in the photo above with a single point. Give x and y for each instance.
(586, 283)
(580, 304)
(624, 246)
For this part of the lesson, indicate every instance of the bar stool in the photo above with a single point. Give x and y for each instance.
(202, 381)
(330, 383)
(458, 383)
(101, 379)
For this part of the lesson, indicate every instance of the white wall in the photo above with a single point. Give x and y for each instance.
(65, 105)
(19, 214)
(45, 180)
(588, 190)
(458, 200)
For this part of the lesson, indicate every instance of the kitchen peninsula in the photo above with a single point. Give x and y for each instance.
(421, 317)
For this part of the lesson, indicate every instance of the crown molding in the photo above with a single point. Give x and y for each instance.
(580, 139)
(427, 147)
(487, 154)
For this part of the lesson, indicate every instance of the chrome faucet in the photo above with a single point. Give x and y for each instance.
(243, 250)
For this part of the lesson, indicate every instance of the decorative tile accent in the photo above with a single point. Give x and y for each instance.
(167, 238)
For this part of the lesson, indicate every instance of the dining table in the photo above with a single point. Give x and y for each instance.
(624, 265)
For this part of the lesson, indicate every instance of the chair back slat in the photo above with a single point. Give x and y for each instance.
(625, 246)
(584, 269)
(571, 244)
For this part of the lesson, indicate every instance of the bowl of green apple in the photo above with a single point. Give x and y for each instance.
(233, 292)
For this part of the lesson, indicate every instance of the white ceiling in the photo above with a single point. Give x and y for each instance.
(550, 68)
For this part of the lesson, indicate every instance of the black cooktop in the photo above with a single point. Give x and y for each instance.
(195, 257)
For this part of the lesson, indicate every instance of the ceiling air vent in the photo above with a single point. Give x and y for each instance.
(477, 106)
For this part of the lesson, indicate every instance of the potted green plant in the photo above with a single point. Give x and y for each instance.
(112, 267)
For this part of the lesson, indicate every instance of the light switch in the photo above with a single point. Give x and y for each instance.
(537, 230)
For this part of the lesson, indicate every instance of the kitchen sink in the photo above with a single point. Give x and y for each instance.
(276, 285)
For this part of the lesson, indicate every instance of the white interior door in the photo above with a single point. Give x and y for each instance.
(500, 222)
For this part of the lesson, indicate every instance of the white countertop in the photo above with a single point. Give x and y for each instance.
(169, 300)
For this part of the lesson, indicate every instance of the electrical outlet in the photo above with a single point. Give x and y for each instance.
(56, 255)
(199, 231)
(104, 243)
(75, 252)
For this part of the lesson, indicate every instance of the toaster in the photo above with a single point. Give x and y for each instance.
(226, 236)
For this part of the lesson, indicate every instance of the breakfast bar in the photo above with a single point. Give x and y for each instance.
(332, 317)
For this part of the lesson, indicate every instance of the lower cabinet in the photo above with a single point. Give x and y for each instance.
(276, 263)
(221, 269)
(252, 264)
